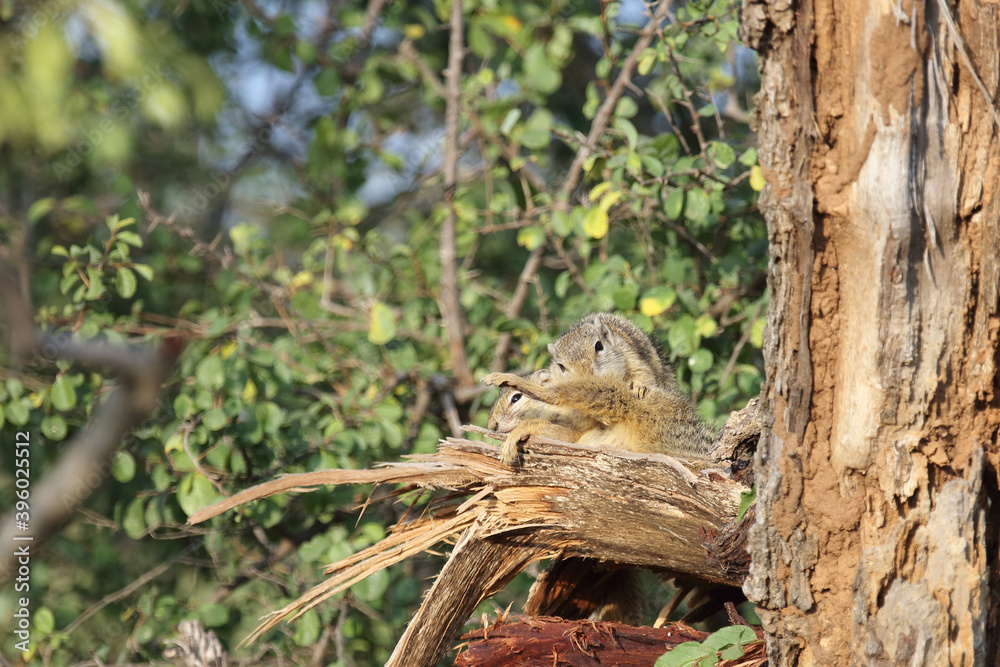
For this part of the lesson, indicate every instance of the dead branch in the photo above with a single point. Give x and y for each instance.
(578, 501)
(86, 463)
(544, 642)
(547, 641)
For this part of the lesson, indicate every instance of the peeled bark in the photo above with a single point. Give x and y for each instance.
(874, 544)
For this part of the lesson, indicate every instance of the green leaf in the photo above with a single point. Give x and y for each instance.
(731, 635)
(40, 209)
(210, 373)
(626, 108)
(680, 335)
(647, 61)
(628, 129)
(45, 621)
(18, 412)
(624, 296)
(538, 130)
(214, 419)
(697, 205)
(748, 158)
(125, 283)
(134, 519)
(684, 655)
(130, 238)
(705, 326)
(195, 492)
(144, 270)
(54, 427)
(674, 203)
(530, 238)
(373, 587)
(539, 73)
(96, 288)
(721, 153)
(63, 394)
(213, 614)
(747, 499)
(700, 361)
(270, 416)
(757, 333)
(123, 467)
(510, 120)
(382, 327)
(307, 628)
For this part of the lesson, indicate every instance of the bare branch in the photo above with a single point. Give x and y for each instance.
(514, 307)
(451, 309)
(87, 461)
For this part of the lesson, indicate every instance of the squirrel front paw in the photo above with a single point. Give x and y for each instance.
(502, 379)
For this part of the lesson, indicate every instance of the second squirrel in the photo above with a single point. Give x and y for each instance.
(605, 369)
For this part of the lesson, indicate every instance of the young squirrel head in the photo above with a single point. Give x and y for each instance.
(607, 344)
(512, 406)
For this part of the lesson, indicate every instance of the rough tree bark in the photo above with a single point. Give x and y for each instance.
(875, 542)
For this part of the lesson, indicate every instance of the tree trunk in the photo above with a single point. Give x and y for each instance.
(875, 542)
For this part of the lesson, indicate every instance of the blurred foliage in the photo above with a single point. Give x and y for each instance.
(292, 156)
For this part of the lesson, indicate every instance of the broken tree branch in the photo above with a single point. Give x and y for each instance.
(611, 504)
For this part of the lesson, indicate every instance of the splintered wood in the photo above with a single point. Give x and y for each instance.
(541, 641)
(564, 499)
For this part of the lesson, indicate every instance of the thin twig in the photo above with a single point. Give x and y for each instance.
(123, 593)
(739, 346)
(451, 309)
(603, 115)
(514, 308)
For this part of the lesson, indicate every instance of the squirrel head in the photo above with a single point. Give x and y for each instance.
(606, 344)
(512, 406)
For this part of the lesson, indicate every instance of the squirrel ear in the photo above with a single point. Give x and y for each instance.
(552, 349)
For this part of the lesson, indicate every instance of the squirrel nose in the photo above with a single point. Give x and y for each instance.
(492, 424)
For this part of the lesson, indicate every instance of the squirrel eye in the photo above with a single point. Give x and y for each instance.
(515, 398)
(598, 346)
(561, 367)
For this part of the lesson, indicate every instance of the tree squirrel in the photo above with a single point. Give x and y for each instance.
(519, 416)
(606, 369)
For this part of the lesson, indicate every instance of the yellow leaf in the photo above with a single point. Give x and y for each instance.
(657, 300)
(595, 223)
(756, 178)
(512, 23)
(383, 324)
(174, 443)
(413, 31)
(228, 349)
(610, 200)
(249, 394)
(599, 190)
(301, 279)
